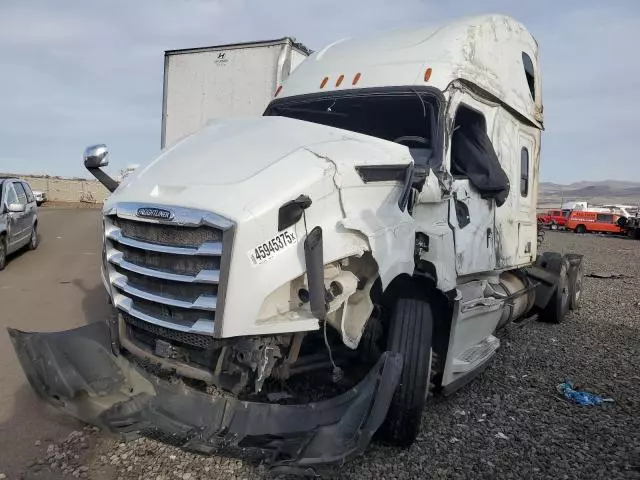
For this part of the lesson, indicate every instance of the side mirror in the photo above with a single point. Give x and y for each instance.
(16, 208)
(96, 156)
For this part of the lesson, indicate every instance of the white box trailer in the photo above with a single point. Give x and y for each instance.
(236, 80)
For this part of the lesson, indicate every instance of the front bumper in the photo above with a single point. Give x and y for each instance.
(77, 372)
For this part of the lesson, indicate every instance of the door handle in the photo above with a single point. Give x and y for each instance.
(488, 236)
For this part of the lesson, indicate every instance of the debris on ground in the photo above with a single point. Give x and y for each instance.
(607, 275)
(580, 397)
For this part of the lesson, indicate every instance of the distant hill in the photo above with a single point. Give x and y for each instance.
(601, 192)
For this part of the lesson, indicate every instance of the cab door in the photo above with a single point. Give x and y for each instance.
(526, 195)
(471, 217)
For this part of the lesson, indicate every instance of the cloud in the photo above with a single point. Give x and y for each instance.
(75, 73)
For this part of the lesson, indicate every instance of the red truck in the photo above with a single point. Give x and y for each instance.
(554, 219)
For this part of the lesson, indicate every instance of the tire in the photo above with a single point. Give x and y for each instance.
(581, 229)
(33, 241)
(575, 287)
(410, 333)
(3, 252)
(558, 305)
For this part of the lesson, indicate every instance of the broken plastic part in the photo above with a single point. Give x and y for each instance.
(75, 371)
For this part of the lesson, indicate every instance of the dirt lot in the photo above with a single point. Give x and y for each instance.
(510, 423)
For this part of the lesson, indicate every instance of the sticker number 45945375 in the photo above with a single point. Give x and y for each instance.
(269, 249)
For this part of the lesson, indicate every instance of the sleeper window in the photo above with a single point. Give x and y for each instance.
(529, 74)
(524, 172)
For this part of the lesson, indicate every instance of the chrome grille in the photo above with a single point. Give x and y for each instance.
(193, 339)
(173, 235)
(168, 273)
(167, 262)
(190, 292)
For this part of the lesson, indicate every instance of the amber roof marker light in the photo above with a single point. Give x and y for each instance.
(427, 74)
(356, 78)
(324, 82)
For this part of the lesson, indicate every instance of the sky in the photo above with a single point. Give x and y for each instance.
(74, 73)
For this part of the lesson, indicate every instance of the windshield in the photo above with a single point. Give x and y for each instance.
(407, 118)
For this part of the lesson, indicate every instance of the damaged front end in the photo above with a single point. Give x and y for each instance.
(77, 371)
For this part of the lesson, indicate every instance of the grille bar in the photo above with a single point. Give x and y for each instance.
(190, 265)
(204, 342)
(203, 302)
(171, 235)
(203, 325)
(209, 248)
(204, 276)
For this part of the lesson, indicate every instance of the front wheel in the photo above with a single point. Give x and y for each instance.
(410, 332)
(581, 229)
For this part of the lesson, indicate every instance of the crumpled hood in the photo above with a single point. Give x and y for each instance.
(219, 168)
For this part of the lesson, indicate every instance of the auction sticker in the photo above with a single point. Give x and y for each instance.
(271, 248)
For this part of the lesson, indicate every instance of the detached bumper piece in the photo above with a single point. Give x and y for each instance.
(76, 371)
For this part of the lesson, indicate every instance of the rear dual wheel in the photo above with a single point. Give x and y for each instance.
(576, 275)
(568, 292)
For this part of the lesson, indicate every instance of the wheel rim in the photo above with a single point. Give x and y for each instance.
(3, 253)
(565, 292)
(34, 237)
(565, 295)
(578, 286)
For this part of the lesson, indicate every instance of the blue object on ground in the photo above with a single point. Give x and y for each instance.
(582, 398)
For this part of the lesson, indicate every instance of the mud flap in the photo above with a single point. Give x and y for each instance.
(76, 371)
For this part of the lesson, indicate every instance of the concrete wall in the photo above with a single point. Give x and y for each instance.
(68, 190)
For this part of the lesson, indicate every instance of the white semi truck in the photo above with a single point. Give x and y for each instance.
(369, 234)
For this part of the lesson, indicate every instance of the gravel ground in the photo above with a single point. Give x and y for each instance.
(509, 423)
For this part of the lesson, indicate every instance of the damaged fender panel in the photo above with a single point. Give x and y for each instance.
(75, 371)
(372, 208)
